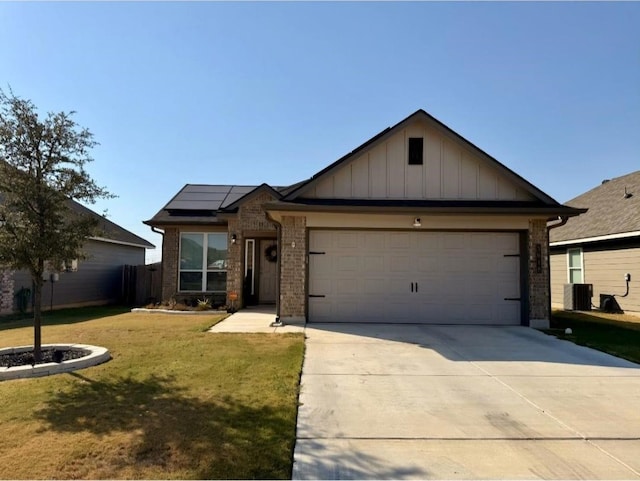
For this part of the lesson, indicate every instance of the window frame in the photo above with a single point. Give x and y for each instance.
(410, 158)
(575, 268)
(204, 270)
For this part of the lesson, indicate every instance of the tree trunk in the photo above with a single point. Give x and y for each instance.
(37, 319)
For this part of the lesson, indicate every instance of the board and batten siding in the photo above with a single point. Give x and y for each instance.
(605, 269)
(449, 171)
(98, 279)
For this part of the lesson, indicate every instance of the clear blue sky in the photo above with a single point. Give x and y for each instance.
(245, 93)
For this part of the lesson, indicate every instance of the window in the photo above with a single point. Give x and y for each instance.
(415, 150)
(575, 267)
(203, 262)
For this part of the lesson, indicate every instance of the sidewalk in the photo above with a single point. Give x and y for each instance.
(255, 319)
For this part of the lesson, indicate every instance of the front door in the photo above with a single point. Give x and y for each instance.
(267, 278)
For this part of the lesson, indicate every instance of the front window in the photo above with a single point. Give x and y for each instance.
(574, 263)
(203, 262)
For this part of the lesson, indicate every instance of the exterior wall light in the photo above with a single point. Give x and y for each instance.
(293, 244)
(234, 238)
(416, 222)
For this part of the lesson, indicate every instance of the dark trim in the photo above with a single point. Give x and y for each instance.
(278, 262)
(250, 195)
(524, 278)
(186, 222)
(307, 277)
(422, 206)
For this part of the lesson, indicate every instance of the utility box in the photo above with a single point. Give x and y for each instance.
(608, 303)
(577, 297)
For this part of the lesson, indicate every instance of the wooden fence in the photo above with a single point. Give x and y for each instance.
(141, 284)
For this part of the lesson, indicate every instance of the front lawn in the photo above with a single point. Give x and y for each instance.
(175, 402)
(617, 334)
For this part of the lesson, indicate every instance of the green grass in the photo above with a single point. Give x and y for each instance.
(612, 333)
(174, 402)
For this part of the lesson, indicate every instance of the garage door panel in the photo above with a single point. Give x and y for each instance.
(346, 264)
(373, 287)
(399, 240)
(372, 264)
(402, 264)
(458, 277)
(398, 287)
(346, 240)
(428, 263)
(348, 286)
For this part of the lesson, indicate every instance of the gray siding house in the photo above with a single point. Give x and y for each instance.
(96, 280)
(601, 246)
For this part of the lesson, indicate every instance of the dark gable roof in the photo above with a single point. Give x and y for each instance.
(203, 204)
(207, 204)
(442, 128)
(610, 211)
(110, 230)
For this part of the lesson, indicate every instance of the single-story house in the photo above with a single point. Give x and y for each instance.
(95, 280)
(415, 225)
(602, 246)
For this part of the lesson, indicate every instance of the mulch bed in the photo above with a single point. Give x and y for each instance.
(48, 355)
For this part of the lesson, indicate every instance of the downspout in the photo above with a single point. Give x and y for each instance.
(563, 220)
(277, 322)
(157, 231)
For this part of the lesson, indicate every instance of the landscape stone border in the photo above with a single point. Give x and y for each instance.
(97, 355)
(210, 312)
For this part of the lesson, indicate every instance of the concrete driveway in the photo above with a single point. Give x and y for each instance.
(463, 402)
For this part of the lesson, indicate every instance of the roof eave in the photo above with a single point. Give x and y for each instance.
(542, 211)
(601, 238)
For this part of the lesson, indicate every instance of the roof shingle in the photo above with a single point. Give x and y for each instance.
(610, 210)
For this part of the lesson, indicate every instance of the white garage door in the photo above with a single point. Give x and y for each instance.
(414, 277)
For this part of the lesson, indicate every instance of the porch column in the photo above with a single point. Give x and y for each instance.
(538, 245)
(293, 267)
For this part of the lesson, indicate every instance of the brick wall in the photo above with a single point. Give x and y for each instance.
(6, 291)
(293, 267)
(170, 255)
(251, 217)
(538, 281)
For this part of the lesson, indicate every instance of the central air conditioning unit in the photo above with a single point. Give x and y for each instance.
(577, 297)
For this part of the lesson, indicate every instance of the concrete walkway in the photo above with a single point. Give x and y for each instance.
(255, 319)
(463, 402)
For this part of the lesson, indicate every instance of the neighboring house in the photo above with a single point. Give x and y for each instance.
(96, 280)
(601, 246)
(415, 225)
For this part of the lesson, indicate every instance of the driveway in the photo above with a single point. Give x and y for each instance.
(463, 402)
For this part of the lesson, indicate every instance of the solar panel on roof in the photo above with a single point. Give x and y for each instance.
(208, 197)
(193, 205)
(242, 189)
(207, 188)
(202, 196)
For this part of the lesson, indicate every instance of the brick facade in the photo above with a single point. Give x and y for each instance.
(170, 256)
(6, 291)
(251, 219)
(293, 267)
(538, 273)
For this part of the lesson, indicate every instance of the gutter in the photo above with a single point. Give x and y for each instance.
(562, 221)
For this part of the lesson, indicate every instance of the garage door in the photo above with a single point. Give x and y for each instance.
(414, 277)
